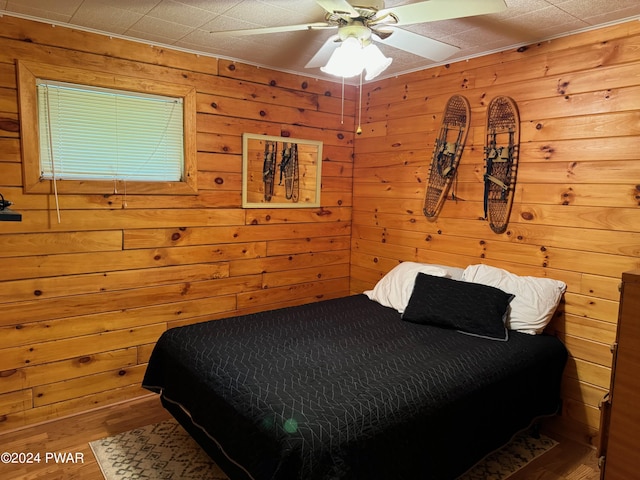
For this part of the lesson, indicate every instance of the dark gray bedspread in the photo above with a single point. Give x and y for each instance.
(346, 389)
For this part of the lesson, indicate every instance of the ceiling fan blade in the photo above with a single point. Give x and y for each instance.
(322, 55)
(341, 7)
(432, 10)
(419, 45)
(263, 30)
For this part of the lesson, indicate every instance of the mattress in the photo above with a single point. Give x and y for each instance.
(345, 389)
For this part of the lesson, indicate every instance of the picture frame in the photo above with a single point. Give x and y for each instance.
(280, 172)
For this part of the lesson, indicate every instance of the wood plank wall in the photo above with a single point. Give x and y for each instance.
(576, 215)
(84, 301)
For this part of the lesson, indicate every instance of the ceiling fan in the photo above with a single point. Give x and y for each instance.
(372, 22)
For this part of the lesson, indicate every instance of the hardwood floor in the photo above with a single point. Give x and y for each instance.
(73, 435)
(566, 461)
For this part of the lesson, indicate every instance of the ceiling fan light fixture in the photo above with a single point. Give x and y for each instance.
(351, 58)
(374, 61)
(346, 61)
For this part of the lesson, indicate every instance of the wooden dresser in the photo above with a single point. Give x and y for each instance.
(620, 438)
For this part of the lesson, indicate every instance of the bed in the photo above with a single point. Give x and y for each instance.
(352, 388)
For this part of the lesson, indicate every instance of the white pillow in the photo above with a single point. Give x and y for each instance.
(536, 299)
(452, 272)
(395, 288)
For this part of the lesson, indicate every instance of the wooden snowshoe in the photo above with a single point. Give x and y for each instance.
(269, 168)
(501, 161)
(289, 171)
(446, 153)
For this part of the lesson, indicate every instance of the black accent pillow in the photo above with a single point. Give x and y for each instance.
(468, 307)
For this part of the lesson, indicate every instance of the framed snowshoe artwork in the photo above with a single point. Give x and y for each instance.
(280, 172)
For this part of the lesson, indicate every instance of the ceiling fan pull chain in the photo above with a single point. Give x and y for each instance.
(359, 129)
(342, 105)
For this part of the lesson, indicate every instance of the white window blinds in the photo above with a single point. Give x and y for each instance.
(91, 133)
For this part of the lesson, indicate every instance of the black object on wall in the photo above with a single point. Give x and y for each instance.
(6, 214)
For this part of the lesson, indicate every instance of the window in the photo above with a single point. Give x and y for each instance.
(89, 132)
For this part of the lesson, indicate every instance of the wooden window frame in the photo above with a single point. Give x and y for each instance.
(30, 72)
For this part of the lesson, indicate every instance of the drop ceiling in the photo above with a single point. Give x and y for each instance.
(187, 24)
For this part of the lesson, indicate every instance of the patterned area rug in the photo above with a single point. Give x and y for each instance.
(164, 451)
(503, 463)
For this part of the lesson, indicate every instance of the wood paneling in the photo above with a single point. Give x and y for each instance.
(576, 215)
(84, 300)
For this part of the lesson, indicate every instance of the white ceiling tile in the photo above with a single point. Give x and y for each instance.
(257, 13)
(200, 40)
(181, 13)
(224, 22)
(557, 30)
(61, 7)
(100, 16)
(286, 12)
(151, 38)
(577, 5)
(518, 7)
(214, 6)
(151, 27)
(610, 17)
(137, 6)
(544, 18)
(43, 9)
(54, 17)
